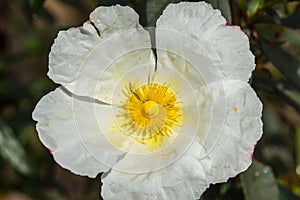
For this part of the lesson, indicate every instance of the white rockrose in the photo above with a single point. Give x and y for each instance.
(160, 124)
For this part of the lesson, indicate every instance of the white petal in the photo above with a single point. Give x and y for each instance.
(193, 69)
(201, 93)
(188, 29)
(115, 18)
(57, 131)
(184, 179)
(88, 64)
(236, 59)
(68, 47)
(198, 20)
(241, 130)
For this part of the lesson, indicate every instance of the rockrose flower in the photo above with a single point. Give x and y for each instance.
(161, 118)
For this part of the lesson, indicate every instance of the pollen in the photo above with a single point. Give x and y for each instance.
(150, 112)
(235, 108)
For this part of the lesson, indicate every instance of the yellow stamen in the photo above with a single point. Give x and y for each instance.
(150, 112)
(150, 109)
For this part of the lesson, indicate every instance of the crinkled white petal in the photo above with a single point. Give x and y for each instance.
(242, 128)
(199, 29)
(184, 179)
(114, 18)
(195, 69)
(57, 131)
(68, 47)
(232, 45)
(196, 19)
(88, 64)
(200, 91)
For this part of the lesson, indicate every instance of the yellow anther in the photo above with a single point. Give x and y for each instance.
(150, 109)
(235, 108)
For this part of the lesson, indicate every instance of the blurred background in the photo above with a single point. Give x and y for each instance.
(27, 31)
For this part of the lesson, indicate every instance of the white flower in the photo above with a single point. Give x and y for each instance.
(157, 131)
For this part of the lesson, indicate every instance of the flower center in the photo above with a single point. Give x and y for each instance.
(150, 111)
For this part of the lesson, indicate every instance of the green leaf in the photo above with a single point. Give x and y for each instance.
(297, 145)
(293, 20)
(284, 61)
(287, 194)
(3, 64)
(278, 34)
(12, 151)
(26, 9)
(36, 5)
(242, 4)
(258, 182)
(223, 6)
(280, 87)
(254, 5)
(32, 44)
(154, 9)
(289, 93)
